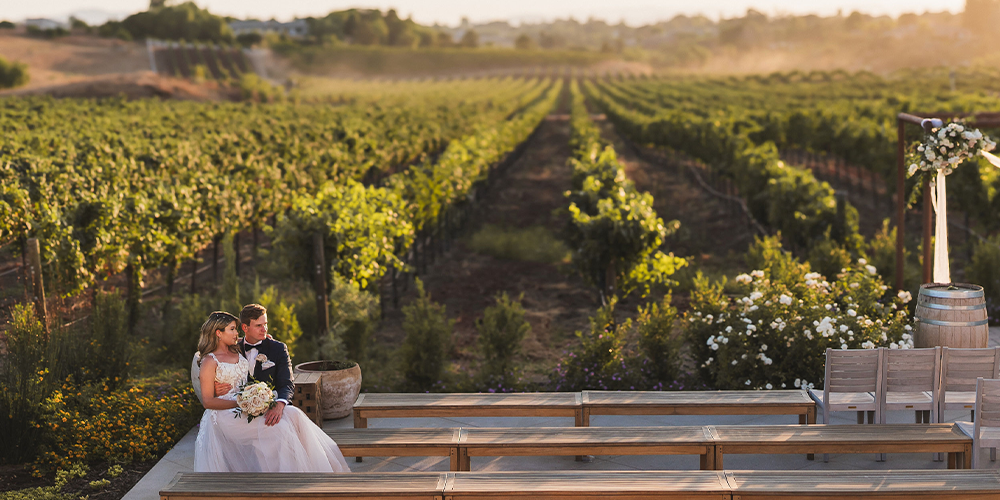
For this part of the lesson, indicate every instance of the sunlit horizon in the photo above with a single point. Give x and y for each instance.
(451, 12)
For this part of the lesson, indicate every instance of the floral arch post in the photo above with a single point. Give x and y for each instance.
(944, 147)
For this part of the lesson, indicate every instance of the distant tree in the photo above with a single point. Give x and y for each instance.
(615, 46)
(7, 25)
(855, 21)
(78, 24)
(12, 74)
(249, 39)
(470, 39)
(524, 42)
(550, 41)
(114, 29)
(174, 22)
(401, 31)
(981, 16)
(366, 27)
(443, 40)
(49, 33)
(908, 19)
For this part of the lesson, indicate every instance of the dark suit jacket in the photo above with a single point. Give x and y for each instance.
(280, 375)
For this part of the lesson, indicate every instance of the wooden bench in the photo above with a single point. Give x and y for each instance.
(792, 402)
(646, 485)
(570, 441)
(841, 484)
(885, 438)
(587, 485)
(289, 486)
(431, 442)
(401, 405)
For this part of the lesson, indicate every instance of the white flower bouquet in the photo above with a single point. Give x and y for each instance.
(943, 150)
(254, 399)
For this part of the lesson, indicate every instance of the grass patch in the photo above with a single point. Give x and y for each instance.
(532, 244)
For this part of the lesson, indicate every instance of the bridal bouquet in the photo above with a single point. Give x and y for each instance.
(945, 149)
(254, 399)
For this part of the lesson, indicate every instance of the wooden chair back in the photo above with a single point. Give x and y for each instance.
(911, 370)
(852, 371)
(960, 368)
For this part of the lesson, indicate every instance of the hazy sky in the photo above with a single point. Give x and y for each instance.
(634, 12)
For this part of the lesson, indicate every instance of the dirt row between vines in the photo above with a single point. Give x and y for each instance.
(556, 300)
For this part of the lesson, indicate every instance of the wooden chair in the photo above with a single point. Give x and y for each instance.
(853, 382)
(986, 428)
(960, 368)
(910, 382)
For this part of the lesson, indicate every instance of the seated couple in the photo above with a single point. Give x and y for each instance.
(281, 440)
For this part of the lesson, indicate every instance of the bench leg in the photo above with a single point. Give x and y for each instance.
(967, 457)
(952, 459)
(465, 461)
(583, 420)
(454, 456)
(359, 423)
(861, 417)
(717, 462)
(804, 420)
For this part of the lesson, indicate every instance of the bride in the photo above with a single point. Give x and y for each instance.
(226, 443)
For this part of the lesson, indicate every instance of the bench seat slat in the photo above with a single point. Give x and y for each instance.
(191, 485)
(544, 436)
(856, 483)
(395, 437)
(729, 434)
(422, 401)
(577, 484)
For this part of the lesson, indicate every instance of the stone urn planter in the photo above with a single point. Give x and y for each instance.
(340, 384)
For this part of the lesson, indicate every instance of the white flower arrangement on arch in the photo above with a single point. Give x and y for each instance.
(944, 150)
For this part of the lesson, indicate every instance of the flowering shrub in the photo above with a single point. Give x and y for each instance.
(775, 333)
(94, 423)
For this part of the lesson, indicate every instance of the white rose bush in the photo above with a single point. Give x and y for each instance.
(774, 333)
(254, 399)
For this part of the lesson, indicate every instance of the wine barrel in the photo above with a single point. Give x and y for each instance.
(951, 314)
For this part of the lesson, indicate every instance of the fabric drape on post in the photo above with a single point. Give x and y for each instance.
(939, 199)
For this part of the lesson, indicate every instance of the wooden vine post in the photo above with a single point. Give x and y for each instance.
(35, 272)
(319, 281)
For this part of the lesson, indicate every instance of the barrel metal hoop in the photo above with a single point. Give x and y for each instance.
(944, 307)
(952, 294)
(953, 323)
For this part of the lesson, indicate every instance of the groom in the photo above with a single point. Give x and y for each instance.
(269, 359)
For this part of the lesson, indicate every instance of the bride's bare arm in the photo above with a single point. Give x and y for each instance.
(209, 399)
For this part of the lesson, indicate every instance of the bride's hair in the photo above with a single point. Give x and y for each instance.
(208, 342)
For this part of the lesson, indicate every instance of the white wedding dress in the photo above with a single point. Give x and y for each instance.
(229, 444)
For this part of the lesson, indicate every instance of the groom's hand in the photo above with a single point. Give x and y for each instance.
(273, 416)
(221, 389)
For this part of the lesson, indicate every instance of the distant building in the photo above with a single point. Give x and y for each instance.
(43, 24)
(295, 29)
